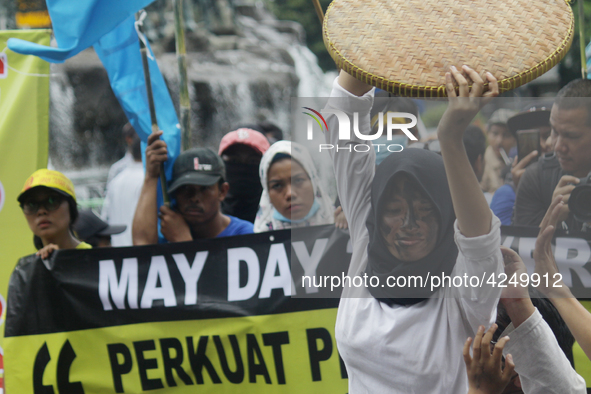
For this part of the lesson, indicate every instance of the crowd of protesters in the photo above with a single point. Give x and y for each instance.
(437, 206)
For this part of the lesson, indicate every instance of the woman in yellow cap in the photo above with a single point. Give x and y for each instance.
(48, 201)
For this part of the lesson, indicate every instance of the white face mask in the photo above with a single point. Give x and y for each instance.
(399, 141)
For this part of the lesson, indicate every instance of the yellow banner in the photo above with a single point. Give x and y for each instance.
(582, 363)
(285, 353)
(33, 19)
(24, 119)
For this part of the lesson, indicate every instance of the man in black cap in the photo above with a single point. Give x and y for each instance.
(95, 232)
(198, 185)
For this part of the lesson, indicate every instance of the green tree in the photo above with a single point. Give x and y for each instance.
(570, 66)
(302, 11)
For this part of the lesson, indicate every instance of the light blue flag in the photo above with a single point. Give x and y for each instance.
(119, 51)
(77, 25)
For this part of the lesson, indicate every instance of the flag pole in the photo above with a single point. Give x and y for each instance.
(181, 55)
(154, 121)
(319, 11)
(320, 14)
(582, 39)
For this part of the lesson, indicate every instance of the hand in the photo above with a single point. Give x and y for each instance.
(429, 138)
(156, 154)
(46, 251)
(173, 226)
(352, 84)
(519, 167)
(564, 188)
(464, 107)
(340, 221)
(514, 266)
(543, 255)
(485, 372)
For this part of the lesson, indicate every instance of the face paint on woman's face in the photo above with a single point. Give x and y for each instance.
(409, 221)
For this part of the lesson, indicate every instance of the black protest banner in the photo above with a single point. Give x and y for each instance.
(572, 254)
(216, 313)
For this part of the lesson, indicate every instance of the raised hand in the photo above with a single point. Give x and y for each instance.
(145, 220)
(464, 104)
(543, 255)
(515, 297)
(564, 188)
(518, 167)
(352, 84)
(486, 374)
(472, 211)
(156, 154)
(514, 267)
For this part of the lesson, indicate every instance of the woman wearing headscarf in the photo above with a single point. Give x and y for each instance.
(292, 193)
(48, 202)
(395, 334)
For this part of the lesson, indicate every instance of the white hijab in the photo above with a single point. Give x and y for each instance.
(265, 220)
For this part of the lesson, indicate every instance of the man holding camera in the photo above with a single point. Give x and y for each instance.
(564, 170)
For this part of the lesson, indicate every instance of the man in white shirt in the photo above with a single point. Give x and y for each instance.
(129, 134)
(123, 193)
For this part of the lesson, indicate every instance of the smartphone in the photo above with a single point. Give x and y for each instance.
(527, 142)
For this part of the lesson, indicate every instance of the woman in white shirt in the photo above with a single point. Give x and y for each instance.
(401, 220)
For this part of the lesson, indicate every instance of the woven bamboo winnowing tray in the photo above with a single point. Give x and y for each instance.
(406, 47)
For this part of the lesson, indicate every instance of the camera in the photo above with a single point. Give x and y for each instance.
(579, 202)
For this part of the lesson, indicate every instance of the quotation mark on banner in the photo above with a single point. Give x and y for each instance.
(64, 362)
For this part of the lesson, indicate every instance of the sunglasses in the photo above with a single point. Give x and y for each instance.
(50, 204)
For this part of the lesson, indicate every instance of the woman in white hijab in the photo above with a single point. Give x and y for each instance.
(292, 193)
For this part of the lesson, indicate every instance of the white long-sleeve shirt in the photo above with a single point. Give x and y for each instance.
(541, 364)
(404, 349)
